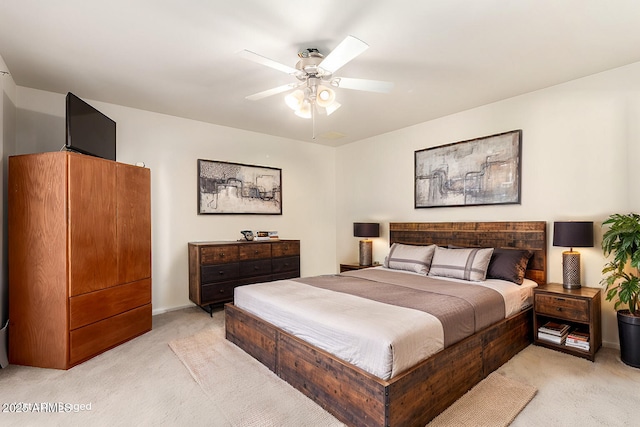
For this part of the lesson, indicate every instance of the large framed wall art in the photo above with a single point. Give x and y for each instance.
(235, 188)
(481, 171)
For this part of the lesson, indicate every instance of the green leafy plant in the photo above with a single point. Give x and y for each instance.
(622, 239)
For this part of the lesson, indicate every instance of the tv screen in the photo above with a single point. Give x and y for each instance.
(88, 130)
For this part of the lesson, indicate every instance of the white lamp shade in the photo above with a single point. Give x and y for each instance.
(294, 99)
(333, 107)
(325, 96)
(305, 110)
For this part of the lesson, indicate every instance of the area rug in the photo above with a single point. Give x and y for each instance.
(494, 402)
(251, 395)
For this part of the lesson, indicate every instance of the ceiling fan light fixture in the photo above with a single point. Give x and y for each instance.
(333, 107)
(305, 109)
(294, 100)
(325, 96)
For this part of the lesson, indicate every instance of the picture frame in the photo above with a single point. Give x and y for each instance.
(237, 188)
(481, 171)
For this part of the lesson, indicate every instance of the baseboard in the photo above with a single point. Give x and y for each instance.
(4, 345)
(157, 311)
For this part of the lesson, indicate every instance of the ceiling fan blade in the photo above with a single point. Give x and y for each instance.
(252, 56)
(348, 49)
(273, 91)
(363, 84)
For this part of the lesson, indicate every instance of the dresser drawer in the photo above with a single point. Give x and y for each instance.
(92, 307)
(280, 265)
(285, 248)
(219, 272)
(255, 268)
(219, 254)
(217, 292)
(563, 307)
(255, 251)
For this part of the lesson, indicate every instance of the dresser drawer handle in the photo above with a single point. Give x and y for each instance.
(558, 308)
(222, 291)
(221, 273)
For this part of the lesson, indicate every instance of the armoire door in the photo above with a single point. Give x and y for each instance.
(92, 224)
(134, 223)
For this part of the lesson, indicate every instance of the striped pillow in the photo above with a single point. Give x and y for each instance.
(410, 258)
(468, 264)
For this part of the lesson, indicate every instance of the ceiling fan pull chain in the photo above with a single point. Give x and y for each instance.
(313, 122)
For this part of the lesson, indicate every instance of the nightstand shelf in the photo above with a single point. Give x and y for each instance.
(579, 308)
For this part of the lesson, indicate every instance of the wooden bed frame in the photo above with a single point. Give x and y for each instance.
(414, 397)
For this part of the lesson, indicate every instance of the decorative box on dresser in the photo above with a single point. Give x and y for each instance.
(579, 308)
(216, 268)
(79, 257)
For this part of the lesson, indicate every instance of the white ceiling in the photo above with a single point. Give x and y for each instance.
(179, 57)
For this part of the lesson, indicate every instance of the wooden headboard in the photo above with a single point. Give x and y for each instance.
(530, 235)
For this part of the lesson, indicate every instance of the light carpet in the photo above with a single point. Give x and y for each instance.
(252, 395)
(494, 402)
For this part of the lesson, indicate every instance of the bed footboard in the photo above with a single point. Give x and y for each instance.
(358, 398)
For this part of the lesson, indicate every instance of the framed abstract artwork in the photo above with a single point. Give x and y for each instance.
(235, 188)
(481, 171)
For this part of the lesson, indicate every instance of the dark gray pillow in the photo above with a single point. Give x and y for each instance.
(509, 264)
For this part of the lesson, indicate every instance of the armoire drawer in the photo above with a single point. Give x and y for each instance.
(98, 337)
(98, 305)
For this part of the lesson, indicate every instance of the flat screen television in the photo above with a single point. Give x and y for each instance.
(88, 130)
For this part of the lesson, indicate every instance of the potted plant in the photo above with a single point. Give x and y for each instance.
(622, 280)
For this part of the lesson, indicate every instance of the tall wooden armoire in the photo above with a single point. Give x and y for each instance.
(79, 257)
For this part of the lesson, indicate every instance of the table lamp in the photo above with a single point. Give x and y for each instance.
(572, 234)
(366, 229)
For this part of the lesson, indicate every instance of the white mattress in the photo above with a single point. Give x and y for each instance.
(379, 338)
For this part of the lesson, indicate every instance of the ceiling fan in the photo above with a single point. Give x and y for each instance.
(314, 90)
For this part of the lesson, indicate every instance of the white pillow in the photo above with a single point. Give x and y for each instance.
(410, 258)
(468, 263)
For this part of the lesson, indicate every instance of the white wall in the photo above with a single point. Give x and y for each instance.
(7, 146)
(580, 147)
(170, 147)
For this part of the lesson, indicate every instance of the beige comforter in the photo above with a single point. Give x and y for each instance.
(462, 309)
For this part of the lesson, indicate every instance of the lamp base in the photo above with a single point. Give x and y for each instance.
(571, 270)
(366, 253)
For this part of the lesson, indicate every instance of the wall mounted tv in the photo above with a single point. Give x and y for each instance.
(88, 130)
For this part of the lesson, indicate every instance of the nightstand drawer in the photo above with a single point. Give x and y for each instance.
(563, 307)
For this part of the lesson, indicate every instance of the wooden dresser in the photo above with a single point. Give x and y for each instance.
(216, 268)
(79, 257)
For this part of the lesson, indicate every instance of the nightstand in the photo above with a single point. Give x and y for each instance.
(356, 266)
(579, 308)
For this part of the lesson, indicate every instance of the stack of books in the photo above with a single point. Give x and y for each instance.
(578, 339)
(266, 235)
(553, 332)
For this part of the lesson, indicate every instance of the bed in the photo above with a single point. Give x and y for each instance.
(413, 393)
